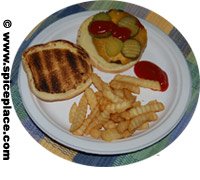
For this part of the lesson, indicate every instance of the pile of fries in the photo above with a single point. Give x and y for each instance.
(114, 112)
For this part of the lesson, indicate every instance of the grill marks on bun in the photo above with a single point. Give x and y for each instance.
(58, 67)
(57, 70)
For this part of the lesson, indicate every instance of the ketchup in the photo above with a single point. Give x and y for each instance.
(121, 33)
(149, 70)
(102, 27)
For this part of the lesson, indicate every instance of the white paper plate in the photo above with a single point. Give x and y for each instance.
(52, 117)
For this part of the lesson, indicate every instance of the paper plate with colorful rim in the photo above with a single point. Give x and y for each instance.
(47, 122)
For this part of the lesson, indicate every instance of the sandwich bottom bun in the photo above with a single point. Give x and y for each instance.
(70, 93)
(56, 96)
(84, 39)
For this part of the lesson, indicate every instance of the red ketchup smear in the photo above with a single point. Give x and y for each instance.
(149, 70)
(101, 27)
(121, 33)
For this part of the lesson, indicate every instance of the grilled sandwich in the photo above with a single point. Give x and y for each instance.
(57, 70)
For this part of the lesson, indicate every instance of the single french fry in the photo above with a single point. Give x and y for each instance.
(91, 98)
(72, 113)
(141, 119)
(128, 95)
(123, 125)
(99, 126)
(110, 135)
(126, 134)
(98, 95)
(154, 85)
(125, 85)
(107, 92)
(118, 107)
(156, 107)
(97, 81)
(136, 104)
(135, 111)
(153, 102)
(109, 125)
(103, 102)
(104, 116)
(82, 110)
(95, 133)
(115, 117)
(144, 126)
(119, 92)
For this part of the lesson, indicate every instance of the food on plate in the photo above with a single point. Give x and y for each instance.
(119, 92)
(95, 133)
(131, 48)
(111, 134)
(109, 94)
(115, 40)
(123, 85)
(57, 70)
(80, 116)
(72, 112)
(151, 84)
(143, 126)
(91, 98)
(80, 131)
(123, 125)
(113, 113)
(149, 107)
(128, 95)
(97, 81)
(109, 125)
(149, 70)
(141, 119)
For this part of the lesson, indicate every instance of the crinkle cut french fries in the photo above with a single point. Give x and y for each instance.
(114, 112)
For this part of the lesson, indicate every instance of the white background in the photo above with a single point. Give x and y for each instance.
(29, 160)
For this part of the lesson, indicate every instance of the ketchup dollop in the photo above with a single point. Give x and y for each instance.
(102, 27)
(121, 33)
(150, 71)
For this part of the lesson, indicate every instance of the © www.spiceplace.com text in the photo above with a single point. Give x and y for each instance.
(5, 96)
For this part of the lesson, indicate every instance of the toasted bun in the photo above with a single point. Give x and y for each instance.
(85, 40)
(57, 70)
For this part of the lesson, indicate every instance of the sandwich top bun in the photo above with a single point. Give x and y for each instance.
(116, 49)
(57, 70)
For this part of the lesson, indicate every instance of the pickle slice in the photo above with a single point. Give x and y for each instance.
(130, 23)
(113, 46)
(102, 16)
(131, 49)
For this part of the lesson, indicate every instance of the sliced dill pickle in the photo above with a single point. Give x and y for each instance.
(113, 46)
(131, 23)
(102, 16)
(131, 49)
